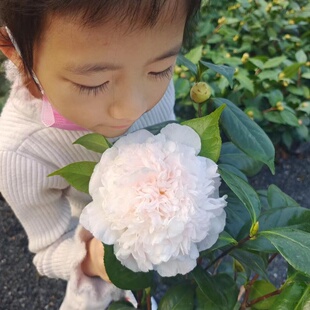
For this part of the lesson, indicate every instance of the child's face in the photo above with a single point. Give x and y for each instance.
(104, 78)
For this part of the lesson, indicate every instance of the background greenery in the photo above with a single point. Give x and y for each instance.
(267, 42)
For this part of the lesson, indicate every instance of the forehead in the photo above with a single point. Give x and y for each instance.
(134, 14)
(67, 40)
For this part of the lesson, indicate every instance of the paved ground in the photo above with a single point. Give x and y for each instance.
(22, 288)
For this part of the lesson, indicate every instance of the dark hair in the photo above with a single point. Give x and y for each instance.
(26, 19)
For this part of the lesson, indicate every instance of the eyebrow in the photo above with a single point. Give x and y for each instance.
(86, 69)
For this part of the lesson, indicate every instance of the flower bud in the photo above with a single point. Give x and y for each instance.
(254, 230)
(245, 57)
(200, 92)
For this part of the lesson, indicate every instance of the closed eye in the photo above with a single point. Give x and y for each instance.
(163, 74)
(91, 90)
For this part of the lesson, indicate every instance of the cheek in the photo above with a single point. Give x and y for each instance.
(158, 93)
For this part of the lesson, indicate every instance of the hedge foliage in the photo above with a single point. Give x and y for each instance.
(267, 42)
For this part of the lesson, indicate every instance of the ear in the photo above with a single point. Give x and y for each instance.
(7, 48)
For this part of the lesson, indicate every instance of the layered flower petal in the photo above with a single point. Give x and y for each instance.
(156, 201)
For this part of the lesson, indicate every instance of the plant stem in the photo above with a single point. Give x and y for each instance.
(248, 288)
(199, 110)
(254, 301)
(272, 257)
(148, 302)
(223, 254)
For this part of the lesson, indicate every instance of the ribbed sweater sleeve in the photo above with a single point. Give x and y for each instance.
(41, 207)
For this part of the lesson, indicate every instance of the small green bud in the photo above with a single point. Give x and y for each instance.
(200, 92)
(238, 267)
(254, 230)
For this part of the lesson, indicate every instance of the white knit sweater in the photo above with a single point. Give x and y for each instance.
(47, 207)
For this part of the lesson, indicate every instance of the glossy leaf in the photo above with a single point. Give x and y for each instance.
(233, 170)
(261, 288)
(123, 277)
(246, 134)
(209, 289)
(231, 155)
(207, 128)
(236, 218)
(182, 60)
(195, 54)
(226, 71)
(179, 297)
(227, 286)
(244, 192)
(292, 70)
(252, 261)
(274, 62)
(77, 174)
(295, 296)
(284, 217)
(293, 245)
(94, 142)
(277, 198)
(155, 129)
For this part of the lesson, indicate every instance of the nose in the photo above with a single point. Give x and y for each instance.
(128, 105)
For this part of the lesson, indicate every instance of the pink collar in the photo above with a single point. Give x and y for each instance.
(51, 118)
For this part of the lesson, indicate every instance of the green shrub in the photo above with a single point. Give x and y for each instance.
(268, 45)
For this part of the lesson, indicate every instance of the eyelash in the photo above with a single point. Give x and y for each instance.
(95, 90)
(164, 74)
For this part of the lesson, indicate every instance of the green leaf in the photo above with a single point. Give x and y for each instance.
(226, 71)
(77, 174)
(94, 142)
(274, 117)
(245, 82)
(289, 118)
(229, 289)
(285, 216)
(252, 261)
(293, 245)
(257, 62)
(271, 75)
(195, 54)
(301, 56)
(246, 134)
(261, 288)
(234, 170)
(292, 70)
(231, 155)
(277, 198)
(236, 218)
(295, 296)
(123, 277)
(207, 128)
(208, 288)
(244, 192)
(180, 297)
(121, 305)
(274, 62)
(182, 60)
(182, 88)
(275, 96)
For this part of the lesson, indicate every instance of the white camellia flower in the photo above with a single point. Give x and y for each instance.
(156, 200)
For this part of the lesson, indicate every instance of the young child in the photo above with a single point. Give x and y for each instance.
(76, 67)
